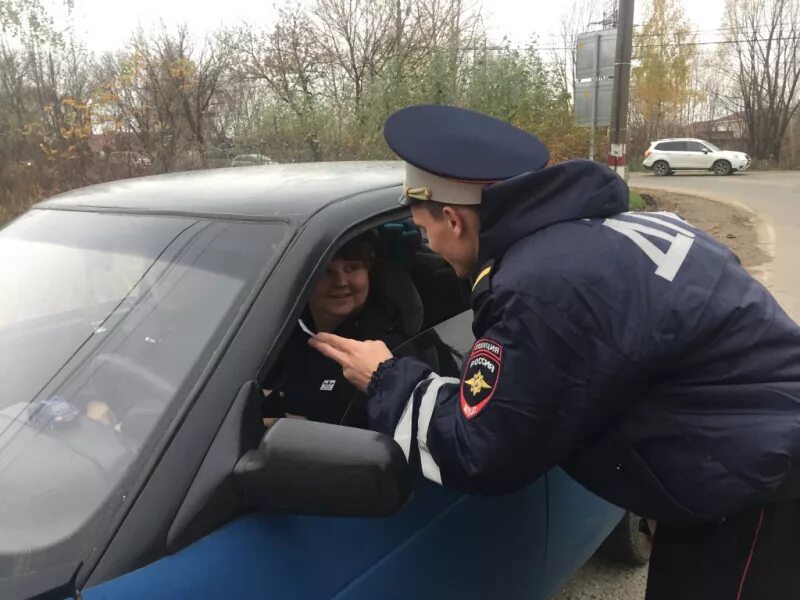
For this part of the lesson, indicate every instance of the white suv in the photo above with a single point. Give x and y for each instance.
(667, 156)
(247, 160)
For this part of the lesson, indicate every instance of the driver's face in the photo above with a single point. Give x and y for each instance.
(343, 289)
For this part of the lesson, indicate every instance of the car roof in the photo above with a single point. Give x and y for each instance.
(679, 140)
(270, 191)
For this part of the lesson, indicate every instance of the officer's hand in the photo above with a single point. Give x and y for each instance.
(359, 360)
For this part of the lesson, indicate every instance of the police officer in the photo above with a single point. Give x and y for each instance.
(630, 348)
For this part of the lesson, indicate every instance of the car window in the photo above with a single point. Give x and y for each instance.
(444, 346)
(413, 291)
(696, 147)
(671, 146)
(106, 321)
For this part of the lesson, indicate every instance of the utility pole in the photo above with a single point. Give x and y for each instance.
(622, 80)
(595, 99)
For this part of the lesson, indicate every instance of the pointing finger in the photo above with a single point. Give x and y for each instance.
(328, 350)
(336, 341)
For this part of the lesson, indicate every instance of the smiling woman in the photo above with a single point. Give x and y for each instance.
(344, 287)
(304, 382)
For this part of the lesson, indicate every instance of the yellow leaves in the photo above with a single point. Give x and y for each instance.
(75, 132)
(49, 153)
(71, 152)
(178, 72)
(73, 103)
(182, 70)
(661, 84)
(33, 128)
(107, 97)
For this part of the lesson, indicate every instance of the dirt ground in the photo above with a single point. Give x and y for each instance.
(731, 225)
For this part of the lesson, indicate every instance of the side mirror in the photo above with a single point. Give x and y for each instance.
(305, 467)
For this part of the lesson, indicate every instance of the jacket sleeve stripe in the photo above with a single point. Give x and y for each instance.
(404, 429)
(430, 469)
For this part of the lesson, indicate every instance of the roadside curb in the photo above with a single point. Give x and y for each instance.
(765, 232)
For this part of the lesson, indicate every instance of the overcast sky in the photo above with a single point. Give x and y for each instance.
(106, 25)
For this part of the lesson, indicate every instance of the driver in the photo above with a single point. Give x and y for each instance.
(305, 383)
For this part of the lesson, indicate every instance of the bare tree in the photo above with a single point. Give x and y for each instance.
(144, 83)
(236, 115)
(764, 37)
(358, 37)
(288, 60)
(163, 90)
(198, 82)
(453, 27)
(14, 101)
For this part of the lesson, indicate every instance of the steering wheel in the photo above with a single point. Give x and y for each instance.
(132, 391)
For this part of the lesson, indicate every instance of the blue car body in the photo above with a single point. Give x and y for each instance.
(441, 545)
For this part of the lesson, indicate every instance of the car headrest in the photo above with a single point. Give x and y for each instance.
(399, 296)
(399, 241)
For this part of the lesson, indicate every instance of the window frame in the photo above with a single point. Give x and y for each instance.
(313, 276)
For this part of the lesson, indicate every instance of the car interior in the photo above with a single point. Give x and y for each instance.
(418, 290)
(417, 280)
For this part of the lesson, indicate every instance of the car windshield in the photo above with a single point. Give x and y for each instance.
(712, 147)
(106, 321)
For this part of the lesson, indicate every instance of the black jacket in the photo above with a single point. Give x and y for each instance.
(306, 383)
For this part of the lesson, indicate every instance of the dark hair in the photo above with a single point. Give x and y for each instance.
(359, 248)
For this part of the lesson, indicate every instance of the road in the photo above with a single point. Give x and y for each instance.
(775, 198)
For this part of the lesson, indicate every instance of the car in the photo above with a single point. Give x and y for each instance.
(137, 321)
(248, 160)
(136, 159)
(664, 157)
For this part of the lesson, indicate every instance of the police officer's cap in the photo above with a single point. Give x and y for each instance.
(451, 153)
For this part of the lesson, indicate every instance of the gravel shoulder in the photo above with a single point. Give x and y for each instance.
(733, 226)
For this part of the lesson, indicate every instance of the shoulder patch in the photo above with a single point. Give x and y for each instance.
(481, 375)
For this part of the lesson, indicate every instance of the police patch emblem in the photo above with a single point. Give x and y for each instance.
(481, 374)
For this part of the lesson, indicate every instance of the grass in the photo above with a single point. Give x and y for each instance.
(636, 201)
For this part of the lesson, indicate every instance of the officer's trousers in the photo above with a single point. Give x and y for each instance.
(752, 555)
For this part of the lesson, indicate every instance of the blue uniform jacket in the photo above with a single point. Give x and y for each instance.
(630, 348)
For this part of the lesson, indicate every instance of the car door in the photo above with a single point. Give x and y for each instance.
(698, 155)
(578, 521)
(441, 544)
(677, 155)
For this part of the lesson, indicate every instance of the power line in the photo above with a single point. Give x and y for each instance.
(707, 43)
(742, 29)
